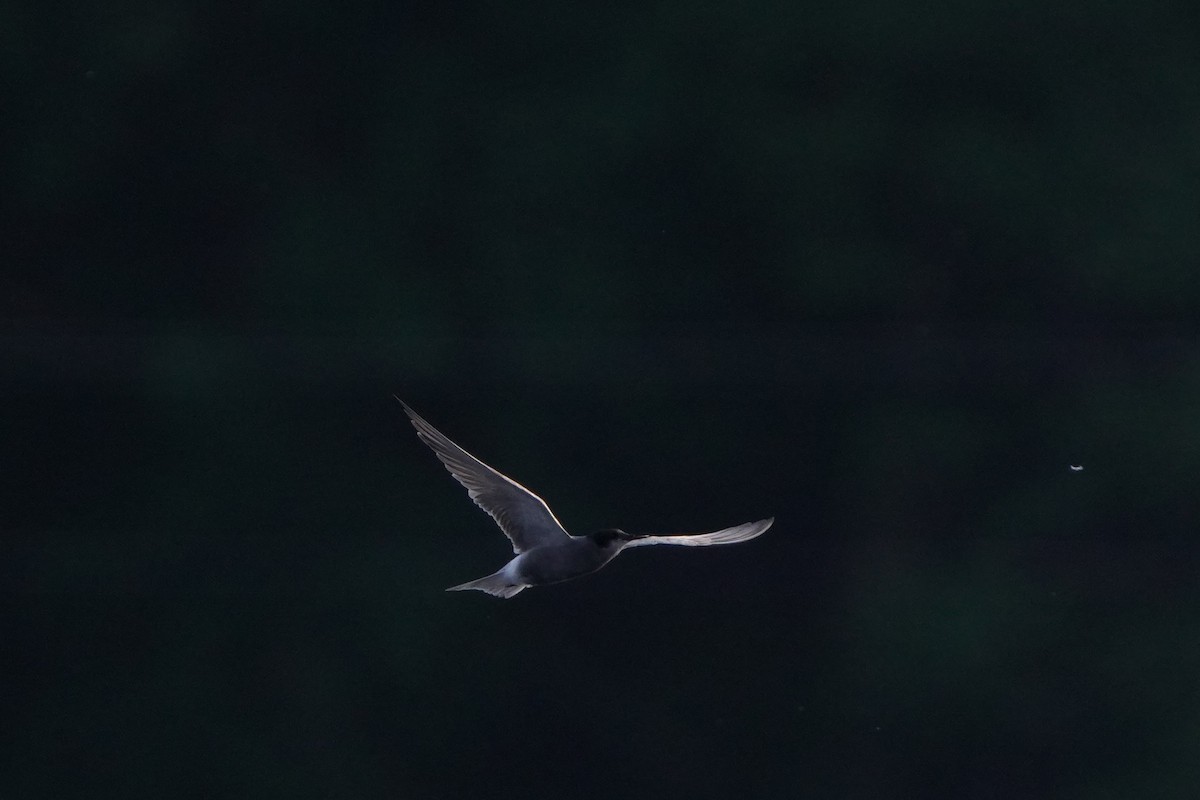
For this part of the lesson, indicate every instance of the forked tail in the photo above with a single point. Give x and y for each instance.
(497, 584)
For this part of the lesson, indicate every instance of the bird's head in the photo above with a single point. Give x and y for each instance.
(610, 537)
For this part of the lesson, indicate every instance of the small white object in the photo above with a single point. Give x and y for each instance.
(1076, 469)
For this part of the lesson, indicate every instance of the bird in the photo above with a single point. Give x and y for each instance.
(544, 552)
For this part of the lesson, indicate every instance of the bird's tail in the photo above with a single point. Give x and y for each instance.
(497, 584)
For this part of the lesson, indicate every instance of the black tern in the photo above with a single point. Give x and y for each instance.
(545, 552)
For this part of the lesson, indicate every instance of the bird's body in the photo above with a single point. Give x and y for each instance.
(552, 563)
(548, 563)
(545, 552)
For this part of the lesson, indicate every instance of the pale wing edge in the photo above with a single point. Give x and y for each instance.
(473, 474)
(738, 533)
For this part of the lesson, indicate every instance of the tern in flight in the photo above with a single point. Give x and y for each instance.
(545, 553)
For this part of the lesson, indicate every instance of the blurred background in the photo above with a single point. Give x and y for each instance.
(887, 272)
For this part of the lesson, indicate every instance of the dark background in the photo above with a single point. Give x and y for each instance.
(884, 271)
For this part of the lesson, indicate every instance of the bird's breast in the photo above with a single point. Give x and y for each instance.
(554, 563)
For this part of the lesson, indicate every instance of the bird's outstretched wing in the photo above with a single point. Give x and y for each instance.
(738, 533)
(523, 516)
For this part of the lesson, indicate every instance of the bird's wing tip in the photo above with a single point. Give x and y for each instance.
(412, 415)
